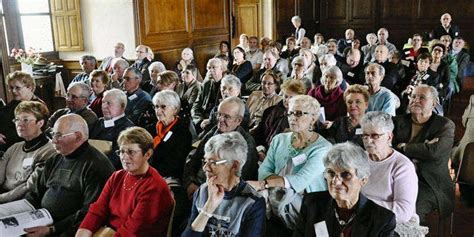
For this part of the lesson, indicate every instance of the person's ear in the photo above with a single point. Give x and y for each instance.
(148, 154)
(40, 122)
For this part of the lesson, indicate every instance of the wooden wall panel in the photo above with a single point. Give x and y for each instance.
(248, 19)
(284, 10)
(169, 26)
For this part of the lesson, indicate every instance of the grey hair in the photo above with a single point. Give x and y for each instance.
(158, 65)
(370, 35)
(434, 93)
(232, 81)
(237, 102)
(75, 123)
(378, 66)
(121, 62)
(377, 119)
(299, 59)
(217, 61)
(167, 97)
(322, 50)
(309, 103)
(135, 71)
(333, 70)
(118, 95)
(329, 58)
(88, 58)
(228, 146)
(190, 51)
(346, 156)
(296, 18)
(85, 89)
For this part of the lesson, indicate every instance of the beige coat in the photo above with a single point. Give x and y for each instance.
(468, 122)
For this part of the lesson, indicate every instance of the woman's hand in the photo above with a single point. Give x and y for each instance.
(83, 233)
(215, 195)
(38, 231)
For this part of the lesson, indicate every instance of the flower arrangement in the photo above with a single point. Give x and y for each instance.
(29, 56)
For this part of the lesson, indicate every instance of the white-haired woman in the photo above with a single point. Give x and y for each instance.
(226, 205)
(344, 210)
(293, 165)
(329, 94)
(311, 70)
(154, 70)
(187, 57)
(299, 65)
(390, 170)
(299, 31)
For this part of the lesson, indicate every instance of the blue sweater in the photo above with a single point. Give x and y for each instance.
(384, 100)
(241, 213)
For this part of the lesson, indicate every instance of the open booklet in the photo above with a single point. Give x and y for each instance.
(18, 215)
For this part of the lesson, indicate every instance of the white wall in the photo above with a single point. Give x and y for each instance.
(105, 22)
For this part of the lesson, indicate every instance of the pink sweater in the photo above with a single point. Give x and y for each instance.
(393, 184)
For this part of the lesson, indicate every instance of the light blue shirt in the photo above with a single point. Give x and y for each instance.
(384, 100)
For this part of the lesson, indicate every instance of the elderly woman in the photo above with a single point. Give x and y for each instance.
(22, 87)
(99, 83)
(226, 204)
(347, 128)
(187, 57)
(299, 31)
(135, 201)
(294, 164)
(241, 68)
(329, 94)
(258, 101)
(299, 65)
(344, 210)
(311, 70)
(244, 42)
(23, 161)
(154, 70)
(114, 121)
(427, 138)
(393, 182)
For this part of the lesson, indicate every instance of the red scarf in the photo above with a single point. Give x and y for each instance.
(161, 131)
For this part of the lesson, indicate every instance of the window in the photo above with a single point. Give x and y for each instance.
(35, 20)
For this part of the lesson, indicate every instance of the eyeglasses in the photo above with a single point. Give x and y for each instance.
(129, 78)
(213, 162)
(224, 116)
(129, 152)
(343, 176)
(299, 64)
(373, 136)
(58, 136)
(297, 113)
(23, 120)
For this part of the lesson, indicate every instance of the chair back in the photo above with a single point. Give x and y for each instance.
(169, 232)
(466, 167)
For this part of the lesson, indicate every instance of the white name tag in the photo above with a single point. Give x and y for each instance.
(27, 162)
(109, 123)
(407, 52)
(299, 159)
(358, 131)
(456, 34)
(426, 76)
(132, 97)
(320, 229)
(167, 137)
(351, 74)
(405, 63)
(349, 41)
(322, 115)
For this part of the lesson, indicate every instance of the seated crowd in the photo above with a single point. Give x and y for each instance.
(334, 138)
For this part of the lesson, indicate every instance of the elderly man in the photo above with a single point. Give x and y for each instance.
(230, 115)
(254, 55)
(392, 75)
(88, 64)
(138, 100)
(118, 67)
(71, 180)
(462, 58)
(106, 64)
(142, 62)
(446, 28)
(381, 98)
(270, 59)
(410, 55)
(382, 36)
(76, 102)
(346, 42)
(427, 138)
(305, 43)
(352, 68)
(114, 121)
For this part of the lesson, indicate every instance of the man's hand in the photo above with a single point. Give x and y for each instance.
(38, 231)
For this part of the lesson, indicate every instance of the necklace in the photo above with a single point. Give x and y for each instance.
(32, 148)
(343, 223)
(133, 185)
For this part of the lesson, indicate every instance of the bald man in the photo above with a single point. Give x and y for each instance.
(352, 67)
(346, 42)
(446, 28)
(71, 180)
(106, 65)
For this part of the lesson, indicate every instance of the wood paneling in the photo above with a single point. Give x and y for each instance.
(284, 10)
(169, 26)
(67, 25)
(248, 19)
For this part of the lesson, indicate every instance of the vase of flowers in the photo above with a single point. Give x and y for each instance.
(27, 58)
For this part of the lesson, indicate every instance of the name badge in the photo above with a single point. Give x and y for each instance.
(299, 159)
(132, 97)
(27, 162)
(351, 74)
(456, 34)
(168, 135)
(109, 123)
(426, 76)
(320, 229)
(358, 131)
(407, 52)
(405, 63)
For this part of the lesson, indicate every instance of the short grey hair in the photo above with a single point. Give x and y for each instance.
(298, 59)
(190, 51)
(309, 103)
(232, 81)
(348, 156)
(237, 102)
(329, 59)
(322, 50)
(216, 61)
(120, 62)
(377, 119)
(296, 18)
(88, 58)
(378, 66)
(118, 95)
(75, 123)
(228, 146)
(335, 71)
(158, 65)
(167, 97)
(434, 93)
(85, 89)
